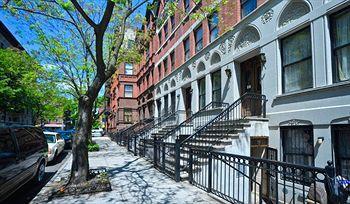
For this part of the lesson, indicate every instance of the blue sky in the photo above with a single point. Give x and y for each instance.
(20, 28)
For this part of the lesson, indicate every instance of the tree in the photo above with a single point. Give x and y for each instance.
(85, 40)
(24, 84)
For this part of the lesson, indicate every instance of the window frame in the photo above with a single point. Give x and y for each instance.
(127, 117)
(187, 52)
(125, 91)
(159, 71)
(198, 39)
(172, 22)
(125, 69)
(212, 28)
(212, 85)
(166, 30)
(187, 6)
(283, 66)
(333, 48)
(305, 128)
(335, 147)
(245, 2)
(172, 60)
(165, 65)
(201, 95)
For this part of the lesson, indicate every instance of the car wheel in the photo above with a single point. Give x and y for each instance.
(40, 172)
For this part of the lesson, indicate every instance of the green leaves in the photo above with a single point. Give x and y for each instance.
(24, 84)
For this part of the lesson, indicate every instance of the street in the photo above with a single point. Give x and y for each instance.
(27, 192)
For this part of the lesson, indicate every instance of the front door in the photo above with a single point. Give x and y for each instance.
(188, 101)
(159, 108)
(251, 83)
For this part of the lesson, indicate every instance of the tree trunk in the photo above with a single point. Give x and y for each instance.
(80, 164)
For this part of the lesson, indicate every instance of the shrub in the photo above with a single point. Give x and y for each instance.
(93, 147)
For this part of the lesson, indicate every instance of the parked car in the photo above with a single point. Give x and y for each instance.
(23, 152)
(55, 144)
(67, 135)
(96, 133)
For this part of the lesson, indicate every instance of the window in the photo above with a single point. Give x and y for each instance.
(247, 6)
(159, 72)
(128, 91)
(199, 38)
(340, 23)
(201, 86)
(172, 60)
(187, 6)
(27, 142)
(128, 69)
(187, 48)
(130, 43)
(297, 61)
(213, 26)
(172, 22)
(165, 62)
(297, 143)
(216, 84)
(7, 147)
(166, 29)
(341, 141)
(127, 115)
(160, 37)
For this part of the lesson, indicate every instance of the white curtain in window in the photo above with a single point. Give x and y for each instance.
(341, 35)
(297, 61)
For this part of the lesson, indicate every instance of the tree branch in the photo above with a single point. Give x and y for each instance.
(82, 12)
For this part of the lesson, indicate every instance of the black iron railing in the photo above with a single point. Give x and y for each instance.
(242, 179)
(193, 123)
(228, 121)
(138, 141)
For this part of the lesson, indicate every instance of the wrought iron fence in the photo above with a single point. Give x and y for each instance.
(193, 123)
(242, 179)
(136, 140)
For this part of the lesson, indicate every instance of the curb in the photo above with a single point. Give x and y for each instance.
(42, 196)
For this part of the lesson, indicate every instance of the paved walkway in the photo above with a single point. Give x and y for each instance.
(134, 180)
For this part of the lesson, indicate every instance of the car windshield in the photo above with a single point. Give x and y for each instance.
(50, 138)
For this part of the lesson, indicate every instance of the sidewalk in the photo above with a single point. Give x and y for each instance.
(133, 180)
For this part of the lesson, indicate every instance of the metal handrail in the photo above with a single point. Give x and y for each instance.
(145, 131)
(211, 105)
(226, 112)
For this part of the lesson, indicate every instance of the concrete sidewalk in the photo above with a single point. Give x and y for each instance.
(133, 180)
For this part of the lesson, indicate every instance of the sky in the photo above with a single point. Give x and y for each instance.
(20, 28)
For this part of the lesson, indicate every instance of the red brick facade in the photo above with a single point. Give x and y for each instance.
(159, 49)
(122, 106)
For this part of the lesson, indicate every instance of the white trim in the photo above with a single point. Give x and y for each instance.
(308, 109)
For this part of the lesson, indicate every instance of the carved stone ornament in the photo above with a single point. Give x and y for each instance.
(247, 36)
(230, 43)
(295, 122)
(222, 47)
(194, 64)
(267, 16)
(207, 56)
(292, 12)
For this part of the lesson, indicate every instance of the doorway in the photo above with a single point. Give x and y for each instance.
(159, 108)
(251, 83)
(166, 104)
(173, 101)
(188, 102)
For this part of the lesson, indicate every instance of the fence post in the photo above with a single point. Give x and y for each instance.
(163, 156)
(155, 152)
(128, 142)
(210, 171)
(190, 164)
(135, 151)
(177, 160)
(264, 108)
